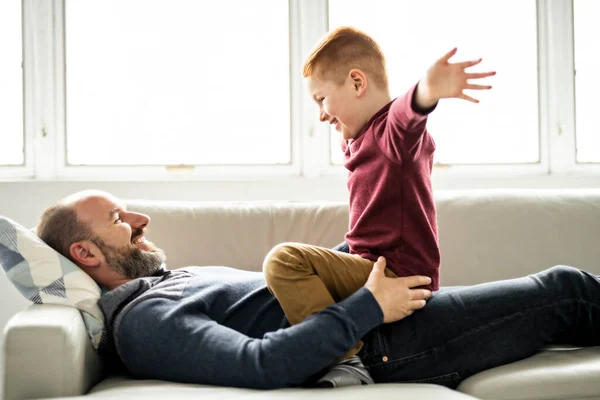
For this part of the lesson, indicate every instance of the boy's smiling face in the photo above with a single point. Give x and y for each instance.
(339, 104)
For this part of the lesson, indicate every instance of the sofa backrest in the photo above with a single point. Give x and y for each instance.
(484, 235)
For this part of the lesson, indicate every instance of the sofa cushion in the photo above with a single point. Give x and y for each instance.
(44, 276)
(559, 372)
(126, 388)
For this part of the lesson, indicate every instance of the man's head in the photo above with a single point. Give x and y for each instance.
(95, 231)
(347, 78)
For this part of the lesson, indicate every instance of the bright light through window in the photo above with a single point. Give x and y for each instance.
(164, 82)
(587, 80)
(11, 84)
(503, 127)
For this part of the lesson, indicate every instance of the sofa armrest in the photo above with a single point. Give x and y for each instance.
(47, 353)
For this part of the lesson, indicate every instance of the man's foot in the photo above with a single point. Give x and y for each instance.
(350, 372)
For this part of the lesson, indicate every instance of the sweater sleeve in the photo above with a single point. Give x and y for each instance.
(405, 127)
(155, 343)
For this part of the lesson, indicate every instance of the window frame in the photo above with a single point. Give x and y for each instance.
(26, 169)
(44, 109)
(65, 171)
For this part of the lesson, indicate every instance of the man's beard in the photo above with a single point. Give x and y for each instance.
(130, 261)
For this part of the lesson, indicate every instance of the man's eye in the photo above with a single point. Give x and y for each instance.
(118, 220)
(320, 99)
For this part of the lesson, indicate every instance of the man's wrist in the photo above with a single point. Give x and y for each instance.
(364, 309)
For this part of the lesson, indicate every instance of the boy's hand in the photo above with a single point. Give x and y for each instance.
(448, 80)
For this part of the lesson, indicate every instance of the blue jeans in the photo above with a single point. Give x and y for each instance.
(465, 330)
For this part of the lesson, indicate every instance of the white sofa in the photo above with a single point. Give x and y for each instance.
(484, 236)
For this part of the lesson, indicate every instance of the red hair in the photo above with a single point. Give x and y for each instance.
(343, 49)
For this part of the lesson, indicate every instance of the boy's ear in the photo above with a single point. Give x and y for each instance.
(359, 80)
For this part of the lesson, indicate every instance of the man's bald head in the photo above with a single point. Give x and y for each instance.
(94, 230)
(60, 225)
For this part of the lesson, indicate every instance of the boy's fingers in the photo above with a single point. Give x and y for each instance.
(467, 64)
(479, 75)
(477, 87)
(468, 98)
(448, 55)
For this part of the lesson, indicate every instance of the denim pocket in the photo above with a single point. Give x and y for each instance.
(373, 346)
(451, 380)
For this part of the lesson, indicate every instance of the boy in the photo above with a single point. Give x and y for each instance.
(389, 157)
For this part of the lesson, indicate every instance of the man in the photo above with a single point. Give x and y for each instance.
(221, 326)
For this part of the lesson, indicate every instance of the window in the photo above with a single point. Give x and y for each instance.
(168, 82)
(503, 128)
(11, 84)
(189, 89)
(587, 81)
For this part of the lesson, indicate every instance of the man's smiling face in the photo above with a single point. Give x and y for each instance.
(120, 236)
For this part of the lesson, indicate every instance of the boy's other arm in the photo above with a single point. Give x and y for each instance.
(449, 80)
(408, 113)
(406, 126)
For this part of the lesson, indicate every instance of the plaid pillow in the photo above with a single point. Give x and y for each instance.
(45, 276)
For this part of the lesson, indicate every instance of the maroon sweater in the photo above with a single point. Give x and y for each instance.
(392, 211)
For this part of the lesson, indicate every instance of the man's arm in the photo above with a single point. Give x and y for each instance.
(193, 348)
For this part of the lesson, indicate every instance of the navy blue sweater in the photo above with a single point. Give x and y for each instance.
(221, 326)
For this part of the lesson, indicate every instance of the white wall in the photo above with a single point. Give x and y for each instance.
(25, 201)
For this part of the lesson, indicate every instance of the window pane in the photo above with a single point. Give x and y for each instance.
(11, 84)
(154, 82)
(587, 81)
(503, 128)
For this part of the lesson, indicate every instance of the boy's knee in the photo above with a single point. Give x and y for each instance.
(277, 260)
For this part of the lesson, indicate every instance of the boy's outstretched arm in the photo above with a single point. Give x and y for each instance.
(448, 80)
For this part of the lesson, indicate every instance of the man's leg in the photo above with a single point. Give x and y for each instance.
(463, 331)
(343, 247)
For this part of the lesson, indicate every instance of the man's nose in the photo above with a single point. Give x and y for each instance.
(138, 220)
(323, 116)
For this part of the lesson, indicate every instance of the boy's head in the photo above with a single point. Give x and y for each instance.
(347, 77)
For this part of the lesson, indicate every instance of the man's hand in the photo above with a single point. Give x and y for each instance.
(395, 296)
(448, 80)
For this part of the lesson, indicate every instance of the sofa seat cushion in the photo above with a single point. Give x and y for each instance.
(126, 388)
(558, 372)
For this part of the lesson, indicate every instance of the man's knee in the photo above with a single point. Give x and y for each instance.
(342, 247)
(564, 274)
(564, 271)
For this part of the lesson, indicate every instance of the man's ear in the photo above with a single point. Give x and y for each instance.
(359, 80)
(85, 253)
